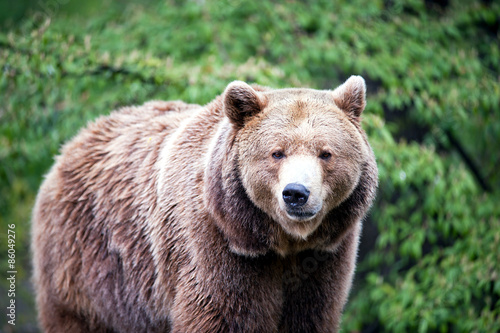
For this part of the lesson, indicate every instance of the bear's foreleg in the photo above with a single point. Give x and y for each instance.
(316, 288)
(231, 294)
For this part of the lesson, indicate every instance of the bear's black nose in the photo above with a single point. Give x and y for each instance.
(295, 195)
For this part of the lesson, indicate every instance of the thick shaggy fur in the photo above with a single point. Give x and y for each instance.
(163, 218)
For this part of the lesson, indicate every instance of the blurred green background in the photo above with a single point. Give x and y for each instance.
(430, 252)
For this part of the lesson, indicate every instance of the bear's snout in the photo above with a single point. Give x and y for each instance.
(299, 191)
(295, 195)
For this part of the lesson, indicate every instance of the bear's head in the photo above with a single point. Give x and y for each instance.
(290, 163)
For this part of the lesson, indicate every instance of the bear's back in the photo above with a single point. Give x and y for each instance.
(90, 212)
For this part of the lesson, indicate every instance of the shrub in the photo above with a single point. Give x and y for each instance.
(429, 256)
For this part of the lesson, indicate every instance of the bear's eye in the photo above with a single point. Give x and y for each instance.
(325, 155)
(278, 155)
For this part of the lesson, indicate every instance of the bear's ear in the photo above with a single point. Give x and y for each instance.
(241, 102)
(351, 96)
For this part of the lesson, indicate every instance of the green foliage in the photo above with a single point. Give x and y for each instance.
(432, 118)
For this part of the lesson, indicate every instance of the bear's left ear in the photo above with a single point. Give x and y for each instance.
(241, 102)
(351, 96)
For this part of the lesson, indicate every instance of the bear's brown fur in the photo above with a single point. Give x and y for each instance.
(173, 217)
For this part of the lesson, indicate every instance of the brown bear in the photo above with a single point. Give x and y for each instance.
(239, 216)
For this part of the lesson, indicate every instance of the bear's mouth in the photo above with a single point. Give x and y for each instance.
(300, 214)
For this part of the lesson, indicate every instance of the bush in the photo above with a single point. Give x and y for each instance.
(429, 256)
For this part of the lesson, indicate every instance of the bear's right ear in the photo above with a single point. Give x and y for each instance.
(241, 102)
